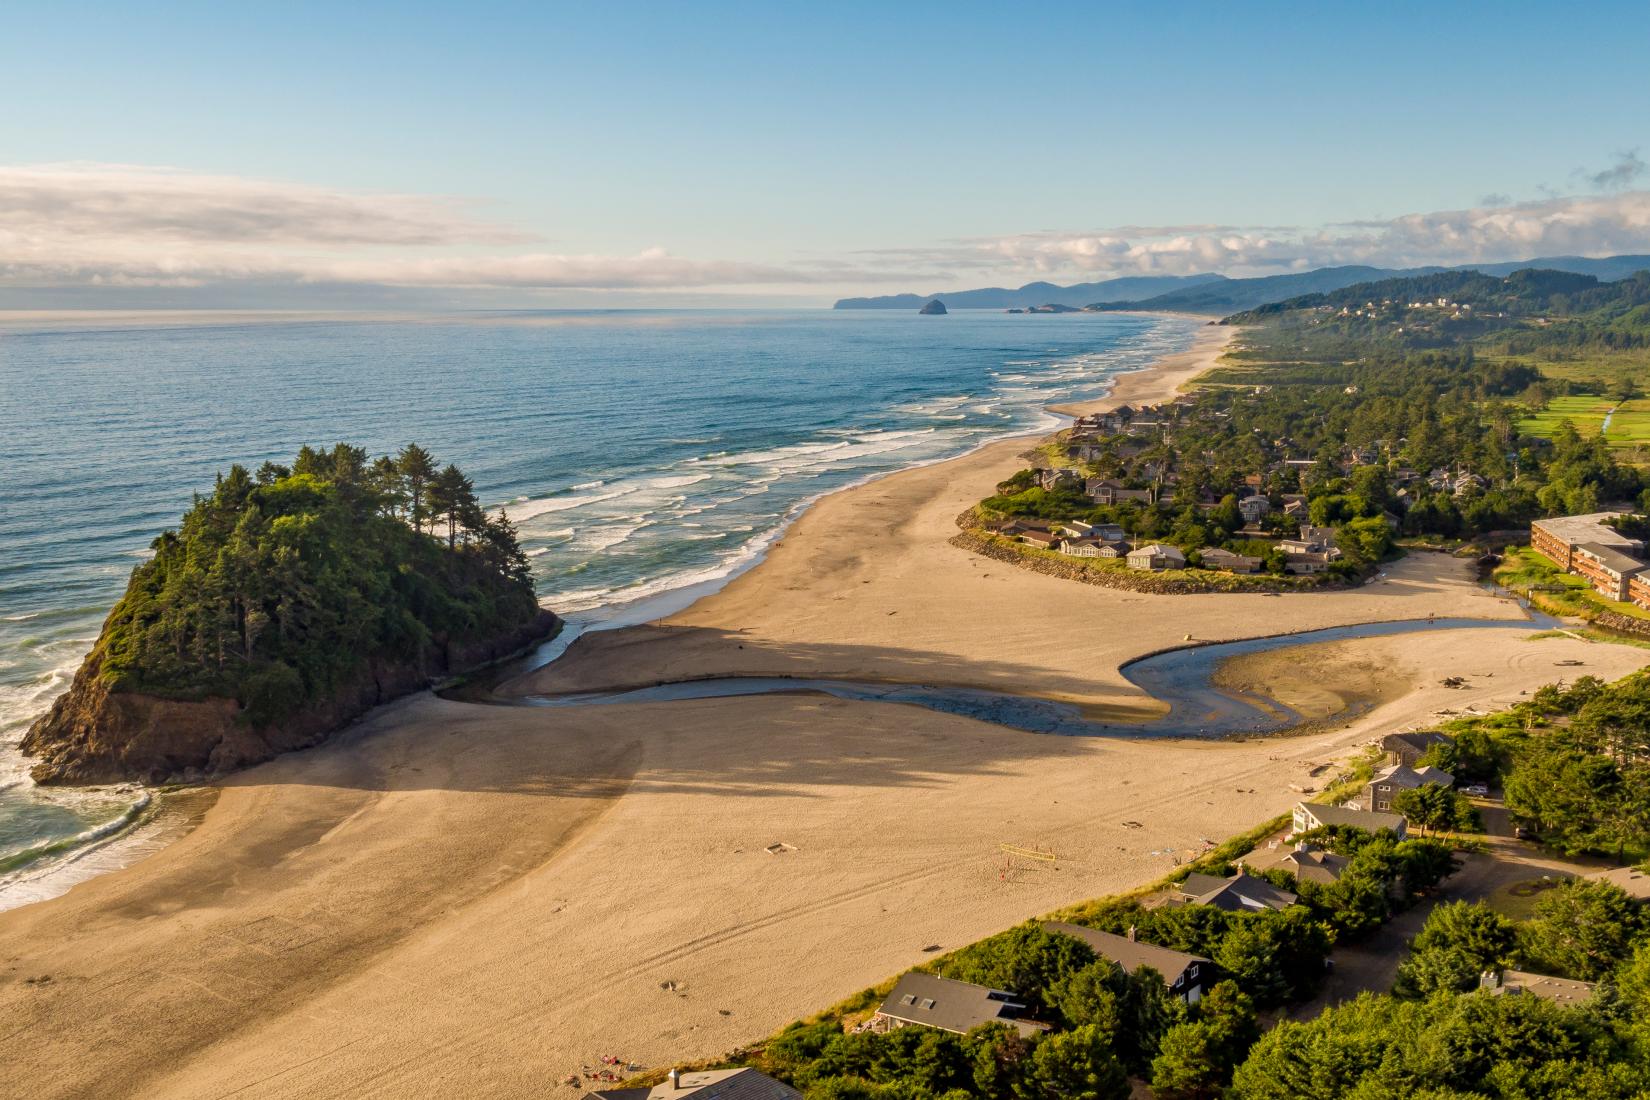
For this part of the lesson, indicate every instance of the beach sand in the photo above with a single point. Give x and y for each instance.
(462, 899)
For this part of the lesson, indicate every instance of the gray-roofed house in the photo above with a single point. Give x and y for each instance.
(1408, 748)
(743, 1083)
(1157, 556)
(1310, 863)
(1242, 892)
(1186, 976)
(1387, 783)
(1316, 815)
(954, 1006)
(1225, 560)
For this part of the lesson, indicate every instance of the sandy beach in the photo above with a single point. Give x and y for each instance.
(466, 899)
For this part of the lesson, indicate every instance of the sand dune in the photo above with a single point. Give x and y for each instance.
(460, 899)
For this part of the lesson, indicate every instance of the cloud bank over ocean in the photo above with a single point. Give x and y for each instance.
(80, 227)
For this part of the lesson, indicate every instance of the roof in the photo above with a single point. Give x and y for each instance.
(1159, 550)
(1309, 863)
(1558, 990)
(955, 1006)
(1400, 775)
(1242, 891)
(1587, 528)
(1420, 739)
(715, 1084)
(1131, 955)
(1373, 820)
(1612, 558)
(1630, 879)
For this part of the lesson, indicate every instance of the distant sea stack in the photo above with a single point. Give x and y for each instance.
(933, 309)
(287, 604)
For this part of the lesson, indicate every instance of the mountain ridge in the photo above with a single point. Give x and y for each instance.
(1217, 295)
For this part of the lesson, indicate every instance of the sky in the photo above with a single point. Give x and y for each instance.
(705, 153)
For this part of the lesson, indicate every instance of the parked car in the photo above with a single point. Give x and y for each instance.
(1476, 790)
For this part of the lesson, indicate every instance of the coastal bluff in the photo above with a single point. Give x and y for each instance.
(286, 604)
(95, 733)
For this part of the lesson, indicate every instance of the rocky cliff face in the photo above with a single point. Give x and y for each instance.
(95, 735)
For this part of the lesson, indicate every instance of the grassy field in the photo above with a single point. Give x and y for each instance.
(1606, 368)
(1629, 426)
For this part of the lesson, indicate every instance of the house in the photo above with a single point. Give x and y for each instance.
(1385, 785)
(1225, 560)
(1107, 491)
(1156, 557)
(1556, 539)
(1308, 562)
(1254, 508)
(1043, 540)
(1076, 528)
(1408, 748)
(1468, 483)
(1240, 893)
(953, 1006)
(1054, 480)
(1187, 976)
(1634, 882)
(1118, 549)
(1318, 815)
(743, 1083)
(1084, 547)
(1107, 532)
(1310, 863)
(1558, 990)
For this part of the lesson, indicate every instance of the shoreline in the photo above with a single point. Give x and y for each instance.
(457, 898)
(662, 604)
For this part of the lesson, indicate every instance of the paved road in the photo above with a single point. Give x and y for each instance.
(1372, 964)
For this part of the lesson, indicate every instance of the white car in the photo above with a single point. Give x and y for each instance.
(1477, 790)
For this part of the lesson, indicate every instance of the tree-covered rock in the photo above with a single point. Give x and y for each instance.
(287, 603)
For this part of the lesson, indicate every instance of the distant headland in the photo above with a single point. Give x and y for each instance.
(1214, 294)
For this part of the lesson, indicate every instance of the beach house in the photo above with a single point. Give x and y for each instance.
(1310, 863)
(959, 1007)
(1156, 557)
(1186, 976)
(1386, 784)
(1408, 748)
(742, 1083)
(1228, 562)
(1242, 892)
(1317, 815)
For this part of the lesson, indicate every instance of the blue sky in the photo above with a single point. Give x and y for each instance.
(771, 149)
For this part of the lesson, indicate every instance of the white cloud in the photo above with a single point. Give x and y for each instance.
(122, 225)
(1589, 225)
(114, 226)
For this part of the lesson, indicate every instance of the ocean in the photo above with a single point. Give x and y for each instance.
(645, 455)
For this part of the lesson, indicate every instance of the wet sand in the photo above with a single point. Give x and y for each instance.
(461, 899)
